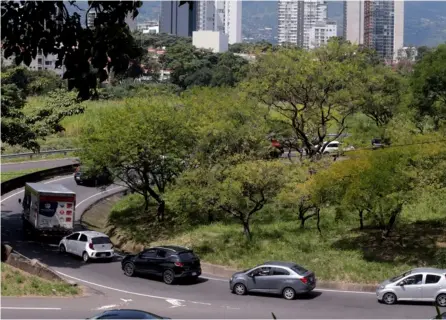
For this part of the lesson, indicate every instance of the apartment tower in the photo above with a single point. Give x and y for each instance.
(221, 15)
(178, 20)
(378, 25)
(304, 23)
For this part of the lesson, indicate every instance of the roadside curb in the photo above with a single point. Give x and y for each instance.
(225, 272)
(100, 199)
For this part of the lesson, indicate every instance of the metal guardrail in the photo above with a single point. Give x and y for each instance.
(33, 154)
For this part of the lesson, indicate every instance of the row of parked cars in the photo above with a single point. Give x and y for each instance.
(288, 279)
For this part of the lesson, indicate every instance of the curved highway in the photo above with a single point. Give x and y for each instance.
(38, 164)
(210, 298)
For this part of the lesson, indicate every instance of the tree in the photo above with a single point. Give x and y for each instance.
(24, 129)
(239, 191)
(145, 144)
(428, 85)
(314, 91)
(30, 27)
(228, 125)
(229, 70)
(382, 94)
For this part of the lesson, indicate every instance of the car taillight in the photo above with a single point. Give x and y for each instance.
(304, 280)
(179, 264)
(90, 245)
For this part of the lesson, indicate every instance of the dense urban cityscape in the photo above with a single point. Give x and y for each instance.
(221, 159)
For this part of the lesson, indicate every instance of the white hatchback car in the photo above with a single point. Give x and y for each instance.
(88, 245)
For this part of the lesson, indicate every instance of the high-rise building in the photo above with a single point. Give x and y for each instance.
(178, 20)
(321, 32)
(300, 21)
(378, 24)
(221, 15)
(354, 21)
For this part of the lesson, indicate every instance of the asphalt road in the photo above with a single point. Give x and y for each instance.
(210, 298)
(38, 164)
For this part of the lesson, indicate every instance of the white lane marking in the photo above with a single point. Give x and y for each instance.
(203, 303)
(175, 303)
(28, 308)
(108, 307)
(97, 194)
(317, 289)
(19, 192)
(126, 300)
(345, 291)
(119, 290)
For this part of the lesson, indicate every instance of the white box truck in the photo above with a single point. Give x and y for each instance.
(48, 209)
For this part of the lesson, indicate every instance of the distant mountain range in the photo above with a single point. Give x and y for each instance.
(425, 21)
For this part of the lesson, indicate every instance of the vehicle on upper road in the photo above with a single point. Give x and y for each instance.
(284, 278)
(88, 245)
(87, 176)
(48, 209)
(127, 314)
(420, 284)
(335, 147)
(169, 262)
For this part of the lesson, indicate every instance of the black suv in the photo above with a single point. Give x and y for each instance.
(170, 262)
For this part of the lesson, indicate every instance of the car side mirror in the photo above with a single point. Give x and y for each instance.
(20, 200)
(402, 283)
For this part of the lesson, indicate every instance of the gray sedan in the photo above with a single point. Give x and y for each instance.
(285, 278)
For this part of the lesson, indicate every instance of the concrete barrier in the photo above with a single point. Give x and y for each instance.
(32, 266)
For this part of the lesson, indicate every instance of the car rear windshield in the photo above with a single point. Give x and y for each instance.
(101, 240)
(300, 270)
(188, 255)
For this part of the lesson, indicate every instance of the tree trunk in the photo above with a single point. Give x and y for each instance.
(392, 219)
(361, 220)
(161, 210)
(318, 211)
(146, 202)
(247, 230)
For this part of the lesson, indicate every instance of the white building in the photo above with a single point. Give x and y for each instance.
(321, 32)
(216, 41)
(129, 20)
(149, 27)
(297, 18)
(378, 24)
(221, 15)
(40, 63)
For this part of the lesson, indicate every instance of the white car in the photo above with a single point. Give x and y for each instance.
(88, 245)
(335, 147)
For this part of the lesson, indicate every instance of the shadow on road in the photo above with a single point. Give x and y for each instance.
(305, 296)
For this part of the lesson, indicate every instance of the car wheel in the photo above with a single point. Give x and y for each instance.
(129, 269)
(62, 249)
(168, 277)
(239, 289)
(389, 298)
(289, 293)
(441, 300)
(85, 256)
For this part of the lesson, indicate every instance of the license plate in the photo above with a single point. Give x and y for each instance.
(194, 273)
(102, 254)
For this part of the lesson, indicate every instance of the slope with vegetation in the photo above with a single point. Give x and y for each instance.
(196, 155)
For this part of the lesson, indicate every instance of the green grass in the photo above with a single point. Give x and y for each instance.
(16, 282)
(342, 253)
(5, 176)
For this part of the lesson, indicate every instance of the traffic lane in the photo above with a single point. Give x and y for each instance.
(109, 277)
(39, 164)
(45, 250)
